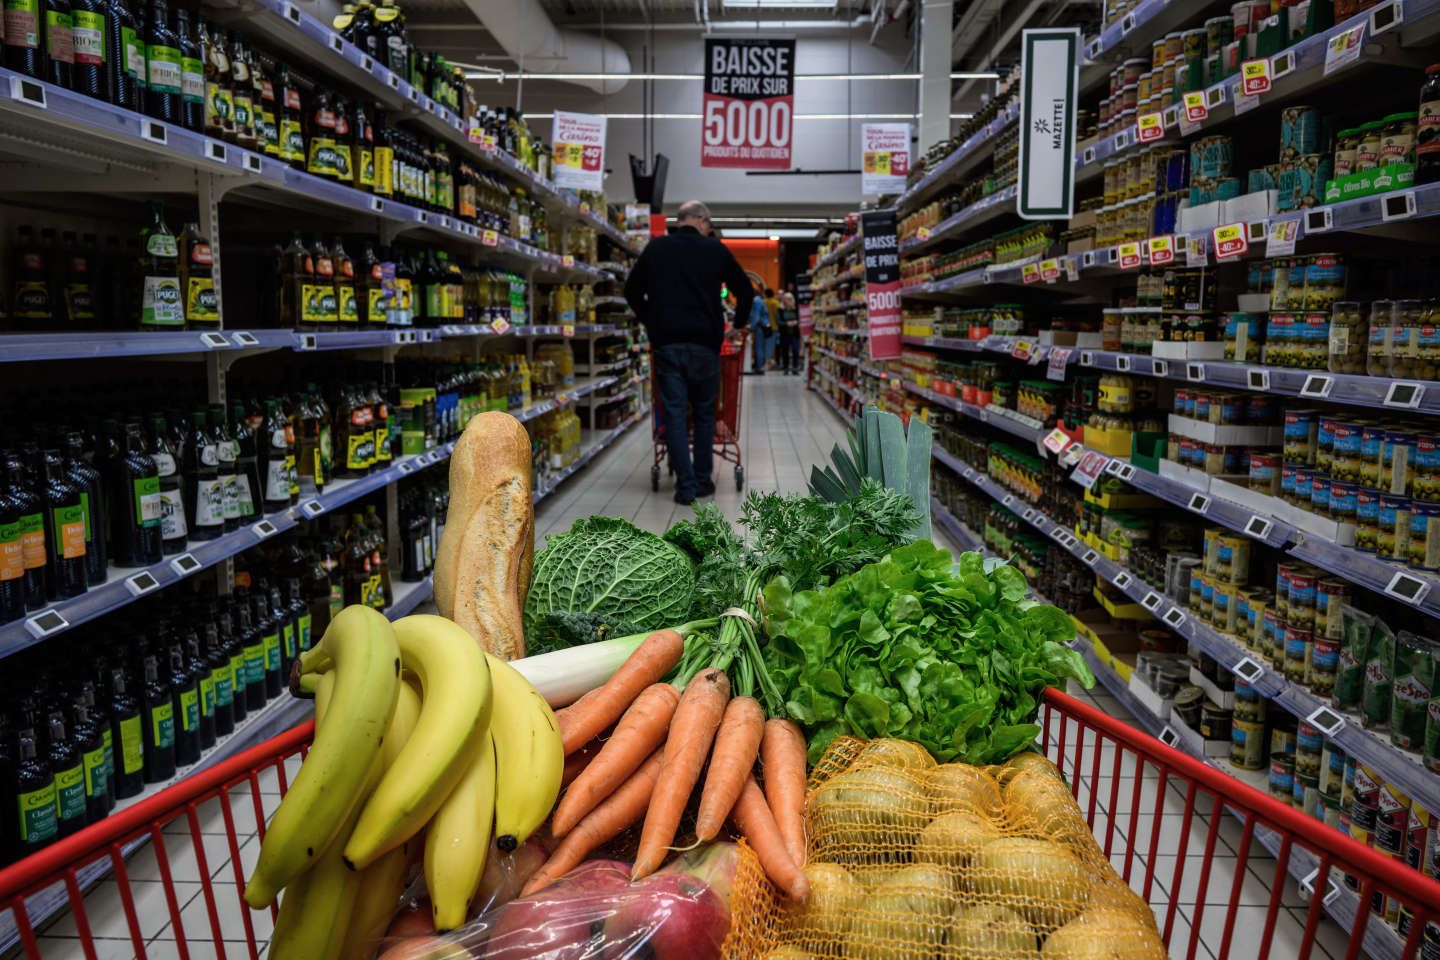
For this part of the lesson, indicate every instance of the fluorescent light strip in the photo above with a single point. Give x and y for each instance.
(798, 116)
(501, 76)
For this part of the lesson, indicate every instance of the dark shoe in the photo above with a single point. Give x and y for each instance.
(752, 373)
(706, 490)
(684, 499)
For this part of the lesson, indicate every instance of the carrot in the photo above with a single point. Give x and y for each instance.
(782, 757)
(692, 731)
(618, 811)
(576, 763)
(591, 714)
(639, 732)
(753, 819)
(736, 744)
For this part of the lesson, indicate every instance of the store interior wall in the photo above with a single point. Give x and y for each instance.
(818, 144)
(760, 257)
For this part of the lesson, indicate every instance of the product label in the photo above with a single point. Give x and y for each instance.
(172, 515)
(244, 110)
(68, 526)
(287, 640)
(37, 808)
(323, 159)
(79, 301)
(239, 674)
(148, 508)
(160, 304)
(384, 171)
(190, 709)
(134, 55)
(304, 630)
(272, 652)
(292, 140)
(32, 540)
(344, 168)
(348, 307)
(222, 683)
(192, 79)
(12, 552)
(207, 695)
(163, 69)
(32, 300)
(132, 750)
(269, 129)
(108, 742)
(245, 498)
(210, 503)
(360, 451)
(218, 104)
(59, 40)
(255, 663)
(89, 37)
(95, 774)
(70, 793)
(162, 725)
(366, 165)
(22, 24)
(201, 305)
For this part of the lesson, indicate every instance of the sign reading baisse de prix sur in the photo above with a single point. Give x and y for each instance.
(1049, 80)
(882, 283)
(749, 107)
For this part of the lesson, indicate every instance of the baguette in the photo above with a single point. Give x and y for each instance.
(482, 567)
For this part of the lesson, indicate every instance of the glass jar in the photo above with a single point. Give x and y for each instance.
(1379, 354)
(1347, 145)
(1405, 346)
(1397, 139)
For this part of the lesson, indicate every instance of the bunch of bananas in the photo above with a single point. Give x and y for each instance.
(422, 739)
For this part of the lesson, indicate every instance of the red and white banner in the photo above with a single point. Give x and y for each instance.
(882, 283)
(749, 106)
(579, 151)
(885, 158)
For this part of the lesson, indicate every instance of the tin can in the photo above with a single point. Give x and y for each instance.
(1332, 771)
(1298, 648)
(1324, 281)
(1299, 131)
(1284, 572)
(1309, 744)
(1331, 594)
(1345, 457)
(1397, 463)
(1260, 409)
(1215, 722)
(1367, 520)
(1324, 659)
(1320, 494)
(1282, 777)
(1202, 401)
(1426, 477)
(1392, 818)
(1343, 504)
(1247, 744)
(1372, 452)
(1393, 541)
(1300, 436)
(1232, 558)
(1222, 607)
(1207, 599)
(1304, 485)
(1325, 444)
(1287, 482)
(1197, 591)
(1272, 638)
(1260, 601)
(1265, 473)
(1157, 54)
(1423, 549)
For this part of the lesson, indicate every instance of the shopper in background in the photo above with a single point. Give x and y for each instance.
(788, 323)
(675, 289)
(762, 333)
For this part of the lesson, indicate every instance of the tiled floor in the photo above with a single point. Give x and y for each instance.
(784, 430)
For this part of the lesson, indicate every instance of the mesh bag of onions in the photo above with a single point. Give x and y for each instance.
(913, 860)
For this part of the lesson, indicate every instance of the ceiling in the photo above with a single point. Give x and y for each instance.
(568, 12)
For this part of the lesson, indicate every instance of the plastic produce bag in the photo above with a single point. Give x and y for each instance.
(681, 912)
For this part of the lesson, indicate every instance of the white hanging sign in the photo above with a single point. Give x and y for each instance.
(579, 152)
(885, 158)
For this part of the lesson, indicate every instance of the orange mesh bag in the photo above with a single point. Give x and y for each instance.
(910, 860)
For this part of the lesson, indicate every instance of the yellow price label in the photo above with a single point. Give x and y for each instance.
(1150, 126)
(1196, 109)
(1160, 249)
(1231, 240)
(1029, 273)
(1129, 255)
(1255, 76)
(1049, 270)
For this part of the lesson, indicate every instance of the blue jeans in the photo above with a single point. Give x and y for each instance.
(689, 377)
(764, 347)
(790, 350)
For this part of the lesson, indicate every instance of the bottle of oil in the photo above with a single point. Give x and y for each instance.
(321, 159)
(202, 307)
(243, 90)
(163, 79)
(33, 301)
(344, 143)
(326, 312)
(199, 668)
(249, 490)
(79, 284)
(174, 522)
(292, 132)
(22, 37)
(222, 680)
(277, 456)
(296, 276)
(127, 732)
(204, 494)
(86, 737)
(379, 558)
(161, 305)
(134, 498)
(89, 75)
(347, 309)
(384, 156)
(289, 643)
(185, 704)
(12, 558)
(227, 452)
(192, 72)
(65, 574)
(268, 628)
(125, 54)
(363, 134)
(35, 798)
(68, 771)
(59, 42)
(157, 716)
(219, 101)
(92, 499)
(267, 110)
(234, 650)
(358, 575)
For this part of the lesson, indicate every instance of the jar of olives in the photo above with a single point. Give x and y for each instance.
(1380, 355)
(1349, 337)
(1409, 320)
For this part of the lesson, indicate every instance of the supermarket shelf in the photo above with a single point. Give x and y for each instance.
(589, 453)
(978, 213)
(843, 414)
(1396, 765)
(1013, 423)
(125, 586)
(849, 361)
(409, 596)
(835, 332)
(842, 280)
(58, 127)
(838, 308)
(845, 388)
(847, 246)
(1128, 36)
(974, 149)
(1380, 941)
(958, 532)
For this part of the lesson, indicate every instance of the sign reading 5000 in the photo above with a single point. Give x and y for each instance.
(749, 110)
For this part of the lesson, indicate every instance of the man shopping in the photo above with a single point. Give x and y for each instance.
(675, 289)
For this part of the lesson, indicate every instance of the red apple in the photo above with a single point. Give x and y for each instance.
(426, 948)
(561, 921)
(675, 915)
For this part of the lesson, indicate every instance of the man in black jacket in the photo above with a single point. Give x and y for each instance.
(675, 289)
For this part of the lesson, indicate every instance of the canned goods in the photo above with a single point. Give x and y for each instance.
(1331, 595)
(1304, 487)
(1325, 444)
(1232, 558)
(1423, 549)
(1300, 436)
(1271, 628)
(1215, 722)
(1367, 519)
(1332, 771)
(1247, 744)
(1397, 462)
(1372, 451)
(1282, 735)
(1425, 479)
(1299, 131)
(1309, 744)
(1282, 777)
(1287, 482)
(1320, 494)
(1324, 284)
(1249, 705)
(1222, 606)
(1345, 451)
(1265, 473)
(1393, 541)
(1298, 647)
(1343, 503)
(1324, 659)
(1283, 573)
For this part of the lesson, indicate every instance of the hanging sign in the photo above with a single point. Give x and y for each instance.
(749, 104)
(885, 159)
(1049, 81)
(882, 283)
(804, 303)
(579, 154)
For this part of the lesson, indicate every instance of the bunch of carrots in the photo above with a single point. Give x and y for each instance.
(654, 759)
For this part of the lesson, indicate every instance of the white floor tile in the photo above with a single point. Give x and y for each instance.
(105, 911)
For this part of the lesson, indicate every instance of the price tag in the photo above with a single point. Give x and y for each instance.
(1121, 579)
(1231, 240)
(1160, 250)
(1056, 440)
(1089, 469)
(1199, 503)
(422, 217)
(30, 92)
(1318, 220)
(1029, 516)
(567, 329)
(405, 466)
(1344, 48)
(1196, 254)
(1258, 527)
(263, 530)
(1282, 64)
(1382, 18)
(214, 340)
(1122, 363)
(336, 43)
(46, 623)
(1150, 126)
(1126, 471)
(394, 80)
(1405, 587)
(1255, 77)
(445, 222)
(1317, 386)
(141, 583)
(1196, 110)
(1021, 349)
(154, 131)
(1159, 368)
(567, 261)
(1280, 236)
(1174, 616)
(1169, 737)
(1248, 670)
(244, 338)
(1129, 255)
(1090, 557)
(922, 234)
(1397, 206)
(185, 564)
(1327, 721)
(312, 508)
(1008, 500)
(367, 63)
(1112, 467)
(1404, 395)
(1122, 139)
(1087, 358)
(1072, 269)
(500, 325)
(1151, 601)
(1049, 270)
(489, 238)
(1244, 103)
(1055, 368)
(215, 151)
(1030, 273)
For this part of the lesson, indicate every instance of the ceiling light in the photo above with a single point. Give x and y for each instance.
(501, 75)
(696, 116)
(823, 221)
(768, 233)
(774, 238)
(782, 4)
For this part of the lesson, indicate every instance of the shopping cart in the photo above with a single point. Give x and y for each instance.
(727, 411)
(1105, 761)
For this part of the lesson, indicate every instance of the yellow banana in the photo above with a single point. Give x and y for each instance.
(529, 752)
(455, 708)
(331, 780)
(458, 839)
(381, 886)
(321, 907)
